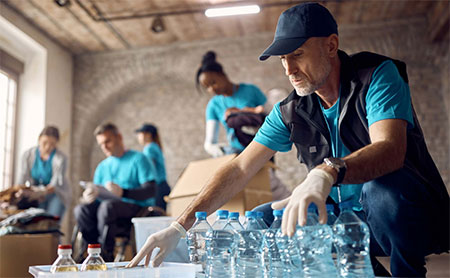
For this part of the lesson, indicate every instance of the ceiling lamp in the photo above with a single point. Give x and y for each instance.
(237, 10)
(157, 25)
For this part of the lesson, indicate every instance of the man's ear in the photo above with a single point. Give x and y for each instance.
(332, 45)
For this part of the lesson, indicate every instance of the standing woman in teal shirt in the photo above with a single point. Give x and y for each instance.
(148, 137)
(43, 168)
(239, 107)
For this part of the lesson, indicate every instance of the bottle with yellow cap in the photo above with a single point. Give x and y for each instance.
(93, 261)
(64, 262)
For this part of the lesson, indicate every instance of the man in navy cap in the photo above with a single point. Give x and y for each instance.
(353, 124)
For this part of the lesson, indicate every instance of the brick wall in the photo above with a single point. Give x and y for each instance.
(157, 85)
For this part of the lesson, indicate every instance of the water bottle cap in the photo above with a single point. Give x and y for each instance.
(330, 207)
(97, 245)
(346, 205)
(64, 249)
(222, 213)
(65, 246)
(312, 208)
(233, 215)
(259, 214)
(250, 214)
(200, 214)
(278, 213)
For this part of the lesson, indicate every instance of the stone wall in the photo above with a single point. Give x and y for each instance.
(157, 85)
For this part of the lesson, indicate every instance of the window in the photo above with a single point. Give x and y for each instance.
(8, 96)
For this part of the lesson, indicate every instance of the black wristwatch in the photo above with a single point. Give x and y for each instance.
(339, 165)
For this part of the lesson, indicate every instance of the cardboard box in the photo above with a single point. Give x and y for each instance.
(197, 173)
(18, 252)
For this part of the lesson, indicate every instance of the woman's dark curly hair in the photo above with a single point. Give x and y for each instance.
(209, 64)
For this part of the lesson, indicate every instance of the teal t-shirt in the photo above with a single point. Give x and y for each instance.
(388, 97)
(128, 171)
(246, 96)
(41, 171)
(153, 152)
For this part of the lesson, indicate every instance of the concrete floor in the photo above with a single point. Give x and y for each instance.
(438, 266)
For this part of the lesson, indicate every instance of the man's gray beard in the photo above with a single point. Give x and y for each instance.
(303, 92)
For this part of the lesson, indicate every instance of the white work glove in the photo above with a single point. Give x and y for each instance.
(314, 189)
(215, 150)
(166, 240)
(89, 194)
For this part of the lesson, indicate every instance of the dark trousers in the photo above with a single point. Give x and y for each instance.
(98, 221)
(406, 222)
(162, 190)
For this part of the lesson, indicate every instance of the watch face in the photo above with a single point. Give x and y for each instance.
(337, 161)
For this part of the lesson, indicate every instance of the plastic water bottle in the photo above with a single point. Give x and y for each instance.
(331, 216)
(259, 218)
(250, 221)
(290, 255)
(64, 262)
(330, 221)
(273, 264)
(196, 237)
(221, 220)
(352, 239)
(315, 241)
(93, 261)
(220, 246)
(234, 226)
(233, 222)
(249, 254)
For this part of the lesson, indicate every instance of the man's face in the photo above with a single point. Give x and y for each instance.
(307, 67)
(110, 143)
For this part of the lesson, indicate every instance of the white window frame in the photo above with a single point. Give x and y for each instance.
(8, 129)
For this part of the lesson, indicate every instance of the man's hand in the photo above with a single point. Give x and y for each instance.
(114, 189)
(314, 189)
(166, 240)
(89, 194)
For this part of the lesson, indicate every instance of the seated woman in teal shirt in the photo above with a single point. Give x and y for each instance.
(43, 168)
(238, 107)
(148, 137)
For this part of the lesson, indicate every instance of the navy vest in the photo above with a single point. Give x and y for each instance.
(309, 133)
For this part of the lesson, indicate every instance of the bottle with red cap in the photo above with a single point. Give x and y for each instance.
(64, 262)
(93, 261)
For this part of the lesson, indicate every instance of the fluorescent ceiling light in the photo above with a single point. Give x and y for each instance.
(238, 10)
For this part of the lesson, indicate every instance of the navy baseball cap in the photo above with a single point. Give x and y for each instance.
(296, 25)
(147, 128)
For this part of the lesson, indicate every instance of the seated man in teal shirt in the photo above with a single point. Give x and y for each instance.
(129, 176)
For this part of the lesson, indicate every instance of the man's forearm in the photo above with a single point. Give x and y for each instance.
(373, 161)
(147, 190)
(384, 155)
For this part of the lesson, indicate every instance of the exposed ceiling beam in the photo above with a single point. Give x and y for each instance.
(199, 9)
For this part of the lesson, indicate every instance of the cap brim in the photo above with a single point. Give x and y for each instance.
(138, 130)
(282, 47)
